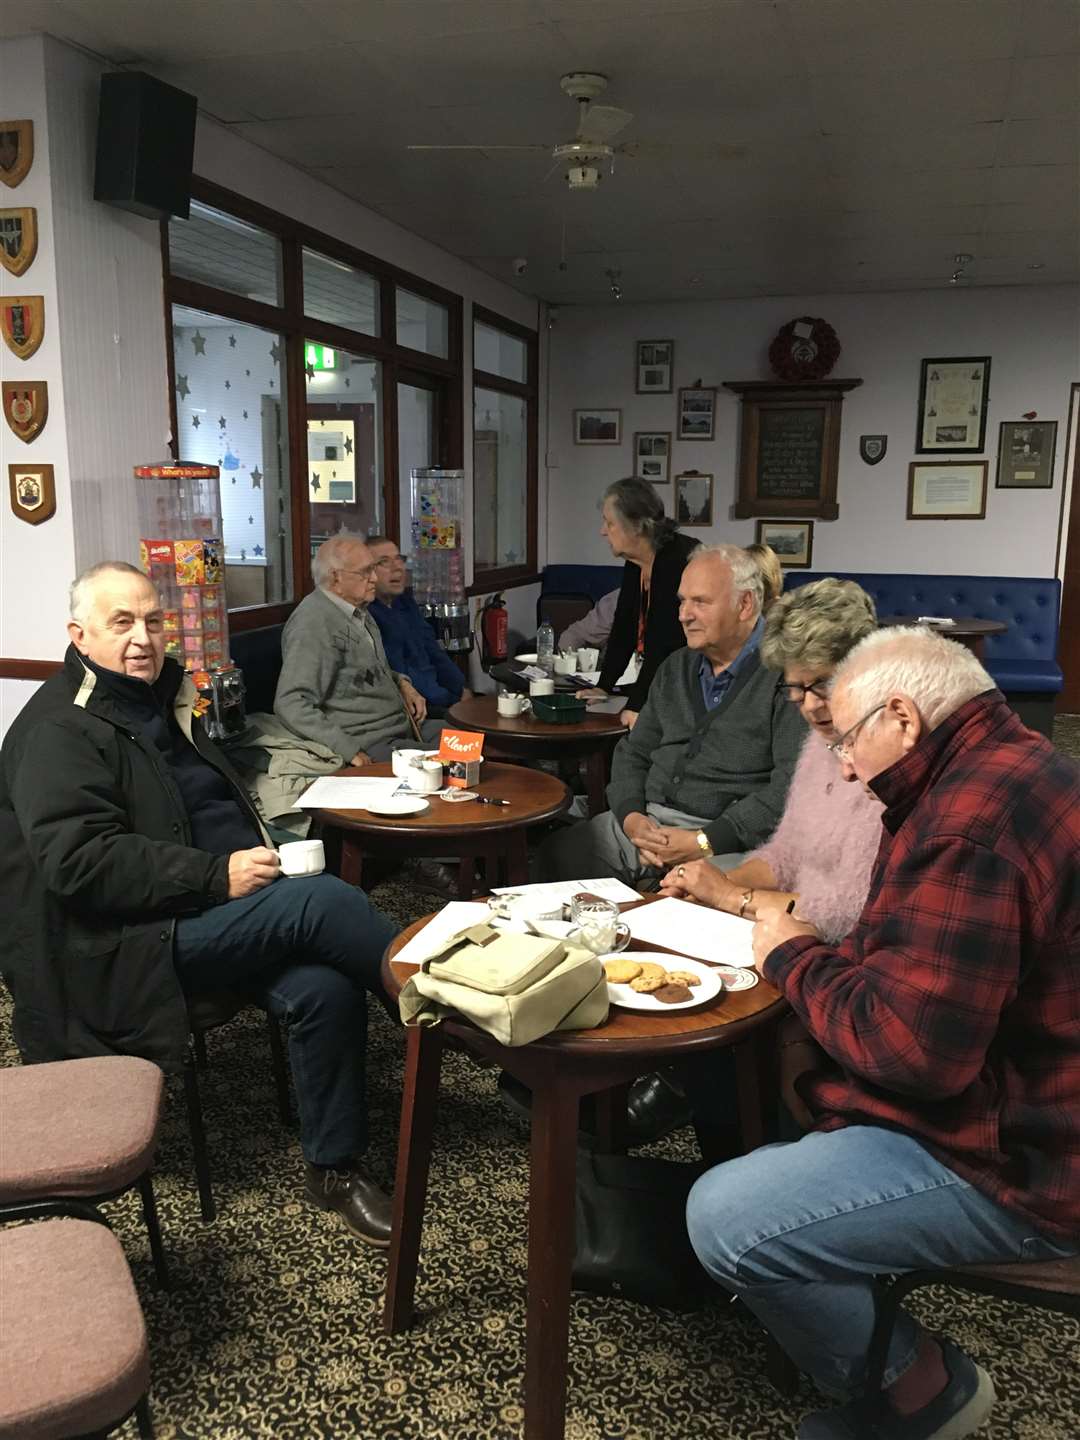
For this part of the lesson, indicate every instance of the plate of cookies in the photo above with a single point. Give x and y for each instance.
(648, 980)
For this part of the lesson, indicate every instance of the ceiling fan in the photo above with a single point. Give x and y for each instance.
(581, 158)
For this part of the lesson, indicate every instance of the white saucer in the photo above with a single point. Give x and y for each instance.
(397, 805)
(527, 659)
(712, 982)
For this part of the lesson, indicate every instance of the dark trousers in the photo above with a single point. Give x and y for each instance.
(308, 949)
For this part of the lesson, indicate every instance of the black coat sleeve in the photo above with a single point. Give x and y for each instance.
(74, 816)
(663, 633)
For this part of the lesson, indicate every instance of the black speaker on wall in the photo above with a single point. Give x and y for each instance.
(145, 145)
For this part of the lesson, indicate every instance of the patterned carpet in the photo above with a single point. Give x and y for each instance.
(274, 1328)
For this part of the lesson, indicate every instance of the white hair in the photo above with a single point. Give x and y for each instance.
(81, 596)
(328, 557)
(745, 572)
(937, 674)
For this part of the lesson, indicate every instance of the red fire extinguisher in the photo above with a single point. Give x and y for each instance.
(493, 623)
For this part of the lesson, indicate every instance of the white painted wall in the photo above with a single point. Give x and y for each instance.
(1031, 334)
(36, 561)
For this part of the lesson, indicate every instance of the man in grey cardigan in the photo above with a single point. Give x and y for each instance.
(706, 768)
(336, 685)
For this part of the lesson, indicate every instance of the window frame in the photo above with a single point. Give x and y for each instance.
(288, 320)
(505, 577)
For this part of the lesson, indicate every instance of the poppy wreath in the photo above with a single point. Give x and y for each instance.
(795, 358)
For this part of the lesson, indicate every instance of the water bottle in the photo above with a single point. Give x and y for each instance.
(545, 647)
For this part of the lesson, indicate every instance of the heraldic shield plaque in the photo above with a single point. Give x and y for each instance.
(22, 323)
(872, 448)
(26, 407)
(16, 150)
(18, 238)
(33, 492)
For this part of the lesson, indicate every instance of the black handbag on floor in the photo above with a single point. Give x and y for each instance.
(631, 1230)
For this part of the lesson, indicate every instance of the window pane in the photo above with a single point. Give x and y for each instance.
(338, 293)
(500, 480)
(499, 353)
(231, 411)
(417, 445)
(216, 249)
(422, 324)
(344, 447)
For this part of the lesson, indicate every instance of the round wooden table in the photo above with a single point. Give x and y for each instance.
(969, 630)
(559, 1069)
(468, 831)
(525, 738)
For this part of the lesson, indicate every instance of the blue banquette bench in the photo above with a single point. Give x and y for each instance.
(1023, 661)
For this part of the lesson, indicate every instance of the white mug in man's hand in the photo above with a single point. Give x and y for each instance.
(302, 857)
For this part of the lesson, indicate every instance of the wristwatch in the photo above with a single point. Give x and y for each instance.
(703, 843)
(746, 897)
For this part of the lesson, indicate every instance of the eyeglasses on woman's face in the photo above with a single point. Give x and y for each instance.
(844, 748)
(797, 693)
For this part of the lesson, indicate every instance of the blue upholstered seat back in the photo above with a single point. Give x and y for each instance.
(258, 653)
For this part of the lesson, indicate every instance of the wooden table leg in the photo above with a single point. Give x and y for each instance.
(596, 780)
(423, 1062)
(465, 873)
(352, 861)
(552, 1181)
(755, 1093)
(612, 1129)
(517, 858)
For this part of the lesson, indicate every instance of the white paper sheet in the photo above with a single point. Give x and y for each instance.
(558, 892)
(454, 916)
(591, 677)
(694, 930)
(345, 792)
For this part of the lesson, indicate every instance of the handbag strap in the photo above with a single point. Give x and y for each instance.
(480, 934)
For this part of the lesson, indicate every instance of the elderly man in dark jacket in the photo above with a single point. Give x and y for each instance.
(137, 871)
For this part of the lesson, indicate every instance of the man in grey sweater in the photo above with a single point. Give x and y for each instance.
(706, 768)
(336, 685)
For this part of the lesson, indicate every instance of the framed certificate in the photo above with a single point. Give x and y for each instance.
(1026, 454)
(947, 490)
(953, 396)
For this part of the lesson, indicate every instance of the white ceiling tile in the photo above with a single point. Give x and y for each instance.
(374, 21)
(957, 94)
(1038, 142)
(1046, 85)
(841, 35)
(885, 147)
(1043, 188)
(167, 32)
(1050, 27)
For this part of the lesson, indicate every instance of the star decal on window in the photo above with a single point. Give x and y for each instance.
(196, 422)
(232, 342)
(199, 341)
(183, 389)
(256, 478)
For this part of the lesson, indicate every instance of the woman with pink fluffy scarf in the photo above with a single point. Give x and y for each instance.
(822, 852)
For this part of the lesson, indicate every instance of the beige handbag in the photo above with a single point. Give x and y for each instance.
(516, 987)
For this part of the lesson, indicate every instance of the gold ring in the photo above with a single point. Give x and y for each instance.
(681, 871)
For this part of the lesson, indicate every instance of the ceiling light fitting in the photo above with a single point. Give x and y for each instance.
(616, 289)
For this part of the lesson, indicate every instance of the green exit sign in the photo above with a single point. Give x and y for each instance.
(320, 357)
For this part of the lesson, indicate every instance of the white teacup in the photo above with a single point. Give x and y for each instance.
(566, 664)
(401, 762)
(302, 857)
(426, 778)
(588, 659)
(512, 705)
(542, 687)
(522, 908)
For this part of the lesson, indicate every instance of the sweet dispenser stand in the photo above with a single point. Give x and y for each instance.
(438, 556)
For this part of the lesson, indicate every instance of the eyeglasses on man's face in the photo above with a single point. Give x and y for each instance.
(797, 693)
(844, 748)
(365, 574)
(387, 562)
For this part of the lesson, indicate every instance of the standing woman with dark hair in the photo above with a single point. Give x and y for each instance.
(646, 628)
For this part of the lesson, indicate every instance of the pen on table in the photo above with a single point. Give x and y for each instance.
(491, 800)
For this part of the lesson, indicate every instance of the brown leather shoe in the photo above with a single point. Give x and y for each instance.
(364, 1208)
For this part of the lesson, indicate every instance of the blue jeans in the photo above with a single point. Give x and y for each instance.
(308, 949)
(799, 1232)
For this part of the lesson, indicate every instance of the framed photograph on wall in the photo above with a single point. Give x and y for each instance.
(1026, 455)
(597, 427)
(953, 396)
(694, 498)
(792, 540)
(652, 456)
(947, 490)
(697, 413)
(654, 361)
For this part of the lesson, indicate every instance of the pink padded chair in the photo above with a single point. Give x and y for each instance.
(82, 1130)
(73, 1354)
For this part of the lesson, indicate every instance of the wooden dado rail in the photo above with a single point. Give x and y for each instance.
(28, 669)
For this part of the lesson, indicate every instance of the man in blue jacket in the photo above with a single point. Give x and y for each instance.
(409, 641)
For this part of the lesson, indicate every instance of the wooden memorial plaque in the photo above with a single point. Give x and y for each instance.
(789, 446)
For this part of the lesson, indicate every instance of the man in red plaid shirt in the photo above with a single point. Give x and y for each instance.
(948, 1125)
